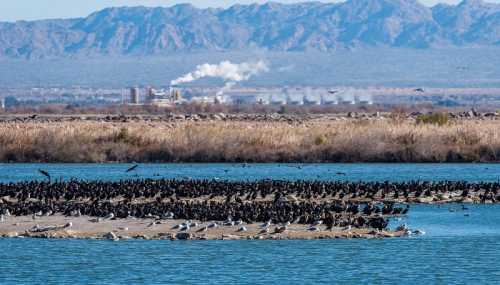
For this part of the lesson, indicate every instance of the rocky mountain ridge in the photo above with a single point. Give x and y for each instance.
(311, 26)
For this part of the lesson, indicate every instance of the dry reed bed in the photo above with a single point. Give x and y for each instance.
(324, 141)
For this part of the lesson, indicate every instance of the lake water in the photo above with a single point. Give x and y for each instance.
(459, 247)
(353, 172)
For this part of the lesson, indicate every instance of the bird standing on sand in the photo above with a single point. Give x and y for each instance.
(281, 229)
(264, 231)
(169, 215)
(266, 224)
(184, 227)
(203, 229)
(132, 168)
(109, 216)
(153, 223)
(213, 225)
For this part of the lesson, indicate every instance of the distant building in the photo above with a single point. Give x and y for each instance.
(347, 101)
(134, 95)
(262, 100)
(163, 98)
(151, 95)
(295, 100)
(244, 99)
(329, 100)
(2, 103)
(278, 100)
(365, 101)
(204, 99)
(176, 95)
(311, 101)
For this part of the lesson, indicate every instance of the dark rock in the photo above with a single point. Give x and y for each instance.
(184, 236)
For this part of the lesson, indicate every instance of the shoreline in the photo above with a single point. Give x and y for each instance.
(126, 229)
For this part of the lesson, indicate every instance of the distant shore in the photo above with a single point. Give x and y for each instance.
(353, 137)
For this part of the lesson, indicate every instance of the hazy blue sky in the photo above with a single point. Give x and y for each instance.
(11, 10)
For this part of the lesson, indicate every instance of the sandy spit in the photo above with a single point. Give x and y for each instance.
(84, 227)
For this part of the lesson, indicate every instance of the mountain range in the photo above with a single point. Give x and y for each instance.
(311, 26)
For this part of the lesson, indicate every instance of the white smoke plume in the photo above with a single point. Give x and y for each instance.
(226, 87)
(227, 71)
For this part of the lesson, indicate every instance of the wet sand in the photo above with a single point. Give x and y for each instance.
(122, 229)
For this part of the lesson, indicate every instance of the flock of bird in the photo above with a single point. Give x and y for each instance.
(333, 203)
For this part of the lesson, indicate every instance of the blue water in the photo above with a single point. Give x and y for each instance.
(353, 172)
(455, 250)
(459, 247)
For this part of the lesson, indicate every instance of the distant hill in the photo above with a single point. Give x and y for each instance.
(355, 24)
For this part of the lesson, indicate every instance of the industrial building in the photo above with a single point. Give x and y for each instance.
(311, 101)
(329, 100)
(156, 97)
(134, 96)
(278, 100)
(294, 100)
(263, 100)
(248, 96)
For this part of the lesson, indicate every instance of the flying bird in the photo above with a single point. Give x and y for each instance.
(132, 168)
(45, 173)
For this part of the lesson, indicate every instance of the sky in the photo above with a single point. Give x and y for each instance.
(13, 10)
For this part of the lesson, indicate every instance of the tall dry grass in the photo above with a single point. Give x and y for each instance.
(324, 141)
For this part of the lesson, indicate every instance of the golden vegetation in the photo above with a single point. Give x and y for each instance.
(209, 141)
(434, 118)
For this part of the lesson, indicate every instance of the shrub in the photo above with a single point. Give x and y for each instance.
(398, 115)
(122, 135)
(439, 119)
(320, 140)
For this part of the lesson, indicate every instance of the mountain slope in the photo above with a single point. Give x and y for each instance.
(271, 26)
(471, 22)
